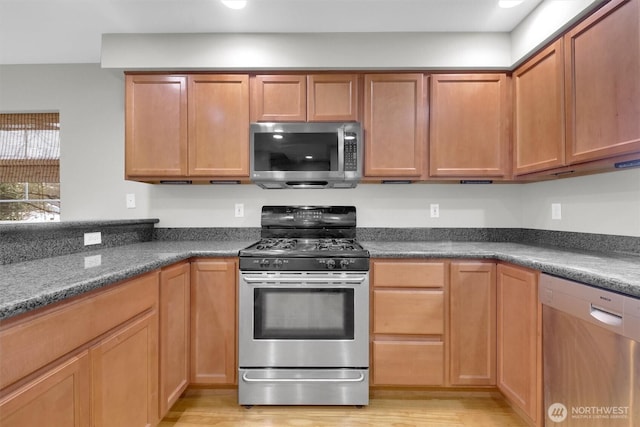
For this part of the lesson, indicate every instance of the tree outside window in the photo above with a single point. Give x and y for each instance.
(30, 167)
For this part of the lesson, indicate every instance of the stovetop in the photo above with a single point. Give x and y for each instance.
(306, 238)
(306, 247)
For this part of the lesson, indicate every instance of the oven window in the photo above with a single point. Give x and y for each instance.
(309, 314)
(297, 152)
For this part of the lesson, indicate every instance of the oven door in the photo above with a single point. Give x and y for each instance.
(304, 319)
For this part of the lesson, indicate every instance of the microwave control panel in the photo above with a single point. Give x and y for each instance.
(351, 155)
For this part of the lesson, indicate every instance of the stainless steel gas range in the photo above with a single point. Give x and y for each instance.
(304, 310)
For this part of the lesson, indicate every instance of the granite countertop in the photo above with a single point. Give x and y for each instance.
(28, 285)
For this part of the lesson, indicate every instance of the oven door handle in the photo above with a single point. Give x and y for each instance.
(246, 378)
(302, 279)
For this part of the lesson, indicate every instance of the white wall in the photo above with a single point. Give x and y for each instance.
(368, 51)
(607, 203)
(544, 23)
(91, 103)
(378, 205)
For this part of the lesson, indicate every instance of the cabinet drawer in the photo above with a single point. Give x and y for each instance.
(37, 340)
(408, 274)
(408, 363)
(408, 312)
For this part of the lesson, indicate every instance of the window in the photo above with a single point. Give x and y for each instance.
(30, 167)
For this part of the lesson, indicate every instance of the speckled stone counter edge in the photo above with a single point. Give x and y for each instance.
(25, 242)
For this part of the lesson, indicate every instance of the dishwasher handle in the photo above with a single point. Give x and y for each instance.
(605, 316)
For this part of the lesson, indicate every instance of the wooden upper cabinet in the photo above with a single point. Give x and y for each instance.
(539, 130)
(219, 125)
(155, 126)
(332, 97)
(279, 98)
(394, 126)
(602, 60)
(299, 98)
(469, 125)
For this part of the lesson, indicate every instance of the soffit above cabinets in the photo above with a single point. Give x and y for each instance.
(70, 31)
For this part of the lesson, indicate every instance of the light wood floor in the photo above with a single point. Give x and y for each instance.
(219, 408)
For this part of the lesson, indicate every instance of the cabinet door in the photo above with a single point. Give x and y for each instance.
(539, 111)
(394, 126)
(279, 98)
(332, 97)
(408, 363)
(219, 125)
(57, 398)
(124, 372)
(472, 326)
(519, 339)
(469, 126)
(602, 60)
(213, 321)
(175, 290)
(155, 126)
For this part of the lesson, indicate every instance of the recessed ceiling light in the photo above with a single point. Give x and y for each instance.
(506, 4)
(235, 4)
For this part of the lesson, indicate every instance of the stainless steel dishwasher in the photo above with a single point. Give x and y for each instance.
(591, 355)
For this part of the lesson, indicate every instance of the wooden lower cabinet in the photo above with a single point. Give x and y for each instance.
(519, 320)
(124, 376)
(407, 327)
(408, 363)
(408, 311)
(57, 398)
(213, 321)
(472, 323)
(90, 361)
(175, 312)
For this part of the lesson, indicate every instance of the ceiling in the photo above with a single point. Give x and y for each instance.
(69, 31)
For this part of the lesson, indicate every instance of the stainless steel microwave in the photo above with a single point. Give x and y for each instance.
(306, 155)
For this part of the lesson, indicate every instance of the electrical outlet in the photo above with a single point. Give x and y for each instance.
(131, 201)
(239, 210)
(556, 211)
(92, 238)
(434, 210)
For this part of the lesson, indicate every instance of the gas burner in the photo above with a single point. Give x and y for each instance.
(306, 238)
(283, 244)
(338, 245)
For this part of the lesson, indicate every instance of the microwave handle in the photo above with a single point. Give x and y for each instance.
(341, 149)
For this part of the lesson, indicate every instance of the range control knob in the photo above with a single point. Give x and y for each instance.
(264, 263)
(344, 263)
(277, 263)
(331, 264)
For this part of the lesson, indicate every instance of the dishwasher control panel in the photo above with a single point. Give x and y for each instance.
(615, 312)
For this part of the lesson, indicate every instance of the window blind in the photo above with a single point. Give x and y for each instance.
(30, 147)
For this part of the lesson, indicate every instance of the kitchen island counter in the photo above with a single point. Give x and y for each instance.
(25, 286)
